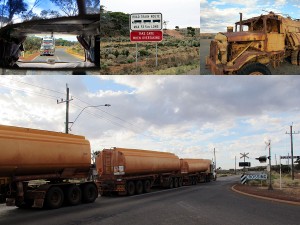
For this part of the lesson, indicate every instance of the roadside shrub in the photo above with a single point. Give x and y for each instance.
(111, 56)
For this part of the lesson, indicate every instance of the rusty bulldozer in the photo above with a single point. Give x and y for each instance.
(269, 39)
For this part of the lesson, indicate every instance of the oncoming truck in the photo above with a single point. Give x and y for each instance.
(48, 46)
(266, 41)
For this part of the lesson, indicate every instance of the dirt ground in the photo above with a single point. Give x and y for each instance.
(287, 194)
(286, 68)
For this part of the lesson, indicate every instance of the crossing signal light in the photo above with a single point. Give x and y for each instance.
(262, 159)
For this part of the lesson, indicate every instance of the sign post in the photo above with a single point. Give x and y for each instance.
(146, 27)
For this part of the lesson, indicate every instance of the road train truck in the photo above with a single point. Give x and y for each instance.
(134, 171)
(267, 40)
(43, 168)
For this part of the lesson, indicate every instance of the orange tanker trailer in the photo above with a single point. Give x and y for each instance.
(196, 170)
(133, 171)
(43, 168)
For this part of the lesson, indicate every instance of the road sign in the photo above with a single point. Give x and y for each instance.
(260, 176)
(242, 164)
(289, 157)
(146, 36)
(245, 155)
(146, 21)
(243, 178)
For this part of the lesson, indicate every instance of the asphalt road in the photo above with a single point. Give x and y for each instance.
(211, 203)
(285, 68)
(60, 55)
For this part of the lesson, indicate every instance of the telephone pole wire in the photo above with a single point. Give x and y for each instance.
(67, 108)
(292, 150)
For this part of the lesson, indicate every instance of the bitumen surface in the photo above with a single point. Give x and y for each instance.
(206, 203)
(60, 56)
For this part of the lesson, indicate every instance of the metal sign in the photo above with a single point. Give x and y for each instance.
(289, 157)
(243, 178)
(146, 21)
(242, 164)
(261, 176)
(146, 36)
(245, 155)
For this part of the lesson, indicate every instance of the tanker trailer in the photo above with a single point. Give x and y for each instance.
(133, 171)
(43, 168)
(196, 170)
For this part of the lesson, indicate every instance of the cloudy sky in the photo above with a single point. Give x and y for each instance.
(216, 15)
(177, 12)
(186, 115)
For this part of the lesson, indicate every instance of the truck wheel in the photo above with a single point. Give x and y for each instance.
(54, 198)
(89, 193)
(171, 183)
(73, 195)
(254, 69)
(130, 188)
(139, 187)
(180, 182)
(175, 182)
(147, 186)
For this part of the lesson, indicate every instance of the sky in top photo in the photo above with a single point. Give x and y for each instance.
(216, 15)
(177, 12)
(188, 116)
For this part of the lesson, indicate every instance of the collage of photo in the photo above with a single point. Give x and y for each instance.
(138, 112)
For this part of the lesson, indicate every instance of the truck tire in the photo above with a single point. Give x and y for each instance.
(54, 198)
(130, 188)
(180, 182)
(254, 69)
(139, 187)
(171, 183)
(73, 195)
(89, 193)
(147, 186)
(175, 182)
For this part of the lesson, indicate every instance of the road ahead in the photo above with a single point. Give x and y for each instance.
(211, 203)
(60, 56)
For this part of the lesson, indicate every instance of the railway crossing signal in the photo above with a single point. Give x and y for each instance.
(262, 159)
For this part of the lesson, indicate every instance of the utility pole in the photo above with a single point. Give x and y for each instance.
(67, 108)
(235, 164)
(270, 178)
(292, 152)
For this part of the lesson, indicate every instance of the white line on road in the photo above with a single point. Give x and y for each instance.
(154, 192)
(35, 57)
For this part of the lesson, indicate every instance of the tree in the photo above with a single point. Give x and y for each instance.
(191, 31)
(177, 28)
(92, 6)
(11, 8)
(69, 7)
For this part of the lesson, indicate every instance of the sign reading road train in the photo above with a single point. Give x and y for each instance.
(145, 21)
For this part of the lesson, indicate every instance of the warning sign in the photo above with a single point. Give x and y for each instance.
(145, 36)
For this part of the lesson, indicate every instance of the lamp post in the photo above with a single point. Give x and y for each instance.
(270, 178)
(90, 106)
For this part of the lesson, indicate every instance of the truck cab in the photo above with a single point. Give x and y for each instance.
(267, 40)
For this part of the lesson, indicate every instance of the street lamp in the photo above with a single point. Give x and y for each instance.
(90, 106)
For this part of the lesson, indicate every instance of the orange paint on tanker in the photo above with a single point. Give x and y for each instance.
(121, 161)
(26, 152)
(195, 165)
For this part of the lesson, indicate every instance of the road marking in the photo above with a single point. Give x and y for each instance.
(58, 59)
(35, 58)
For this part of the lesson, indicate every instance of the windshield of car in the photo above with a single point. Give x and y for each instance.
(16, 11)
